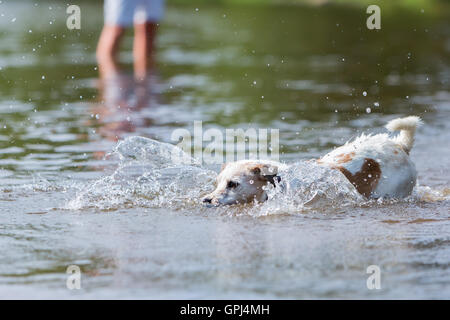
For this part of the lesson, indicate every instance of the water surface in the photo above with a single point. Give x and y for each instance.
(134, 224)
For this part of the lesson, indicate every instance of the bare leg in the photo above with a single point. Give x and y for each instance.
(107, 48)
(144, 36)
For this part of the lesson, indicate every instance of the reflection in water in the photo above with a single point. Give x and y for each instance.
(120, 110)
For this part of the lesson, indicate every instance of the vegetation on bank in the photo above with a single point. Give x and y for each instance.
(387, 4)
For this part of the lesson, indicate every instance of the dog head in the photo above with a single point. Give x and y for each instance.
(242, 182)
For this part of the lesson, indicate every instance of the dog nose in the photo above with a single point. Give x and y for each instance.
(207, 200)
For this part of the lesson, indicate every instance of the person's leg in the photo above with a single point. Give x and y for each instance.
(107, 49)
(144, 36)
(145, 27)
(118, 16)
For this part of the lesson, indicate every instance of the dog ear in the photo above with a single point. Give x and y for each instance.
(266, 172)
(264, 169)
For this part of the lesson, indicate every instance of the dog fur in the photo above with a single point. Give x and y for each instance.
(377, 165)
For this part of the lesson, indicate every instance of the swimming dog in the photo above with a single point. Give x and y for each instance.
(377, 166)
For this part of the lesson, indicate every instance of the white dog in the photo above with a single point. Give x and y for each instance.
(377, 165)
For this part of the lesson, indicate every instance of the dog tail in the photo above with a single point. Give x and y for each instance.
(407, 127)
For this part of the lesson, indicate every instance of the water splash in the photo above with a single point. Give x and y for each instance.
(152, 174)
(428, 194)
(306, 186)
(152, 153)
(155, 174)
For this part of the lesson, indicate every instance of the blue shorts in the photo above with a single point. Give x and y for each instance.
(126, 12)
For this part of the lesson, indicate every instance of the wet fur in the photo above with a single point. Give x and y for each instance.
(377, 165)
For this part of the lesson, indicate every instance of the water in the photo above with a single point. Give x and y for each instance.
(131, 218)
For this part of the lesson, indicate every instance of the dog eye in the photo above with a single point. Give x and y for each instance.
(232, 184)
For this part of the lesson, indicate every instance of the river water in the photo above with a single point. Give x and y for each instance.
(83, 181)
